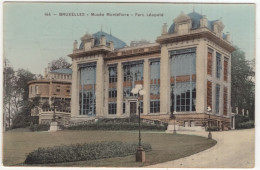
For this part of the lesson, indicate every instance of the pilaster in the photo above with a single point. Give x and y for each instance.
(100, 87)
(119, 89)
(229, 87)
(164, 81)
(146, 97)
(201, 79)
(106, 89)
(75, 90)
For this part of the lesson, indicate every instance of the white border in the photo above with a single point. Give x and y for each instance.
(257, 99)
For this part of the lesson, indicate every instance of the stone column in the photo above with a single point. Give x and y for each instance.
(100, 86)
(120, 76)
(164, 81)
(201, 80)
(146, 87)
(75, 90)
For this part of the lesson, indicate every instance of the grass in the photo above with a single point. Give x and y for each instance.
(165, 147)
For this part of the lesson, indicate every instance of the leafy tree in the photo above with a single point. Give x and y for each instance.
(59, 63)
(23, 77)
(23, 118)
(242, 86)
(9, 86)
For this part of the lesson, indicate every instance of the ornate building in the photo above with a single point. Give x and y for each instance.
(55, 86)
(190, 62)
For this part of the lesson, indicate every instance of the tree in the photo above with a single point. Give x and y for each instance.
(242, 86)
(16, 93)
(59, 63)
(9, 86)
(23, 118)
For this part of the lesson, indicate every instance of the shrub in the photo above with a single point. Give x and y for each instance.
(245, 125)
(117, 126)
(83, 152)
(39, 127)
(240, 119)
(133, 119)
(213, 128)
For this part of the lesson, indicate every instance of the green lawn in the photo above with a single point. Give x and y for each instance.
(165, 147)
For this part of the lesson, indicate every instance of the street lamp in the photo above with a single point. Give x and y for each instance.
(140, 153)
(209, 135)
(172, 116)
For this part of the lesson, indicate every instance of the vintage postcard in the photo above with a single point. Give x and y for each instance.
(130, 85)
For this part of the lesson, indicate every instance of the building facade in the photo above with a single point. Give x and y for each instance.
(54, 87)
(187, 70)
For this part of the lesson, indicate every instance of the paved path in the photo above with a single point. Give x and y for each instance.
(235, 149)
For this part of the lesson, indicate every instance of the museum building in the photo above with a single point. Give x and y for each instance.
(186, 71)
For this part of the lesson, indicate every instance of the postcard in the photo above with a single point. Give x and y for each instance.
(130, 85)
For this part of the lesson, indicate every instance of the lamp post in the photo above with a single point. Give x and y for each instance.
(140, 153)
(172, 116)
(209, 135)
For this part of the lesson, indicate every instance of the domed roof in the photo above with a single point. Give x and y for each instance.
(195, 18)
(117, 42)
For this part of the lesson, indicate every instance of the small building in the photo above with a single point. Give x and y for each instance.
(54, 87)
(187, 70)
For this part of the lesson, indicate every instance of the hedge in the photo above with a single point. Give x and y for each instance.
(117, 126)
(213, 128)
(133, 119)
(245, 125)
(39, 127)
(83, 152)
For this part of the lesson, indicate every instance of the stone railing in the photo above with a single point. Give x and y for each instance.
(51, 110)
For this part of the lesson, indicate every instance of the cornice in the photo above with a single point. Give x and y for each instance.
(195, 34)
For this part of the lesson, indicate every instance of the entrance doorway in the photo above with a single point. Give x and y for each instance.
(132, 108)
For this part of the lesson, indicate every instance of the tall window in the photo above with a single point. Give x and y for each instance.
(154, 85)
(226, 69)
(154, 106)
(112, 73)
(124, 107)
(225, 101)
(209, 94)
(87, 94)
(217, 98)
(209, 67)
(133, 74)
(183, 79)
(112, 93)
(218, 65)
(111, 108)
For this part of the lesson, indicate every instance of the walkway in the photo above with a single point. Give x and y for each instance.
(235, 149)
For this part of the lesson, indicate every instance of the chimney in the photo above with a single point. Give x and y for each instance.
(203, 21)
(102, 40)
(75, 45)
(228, 37)
(164, 29)
(92, 42)
(111, 45)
